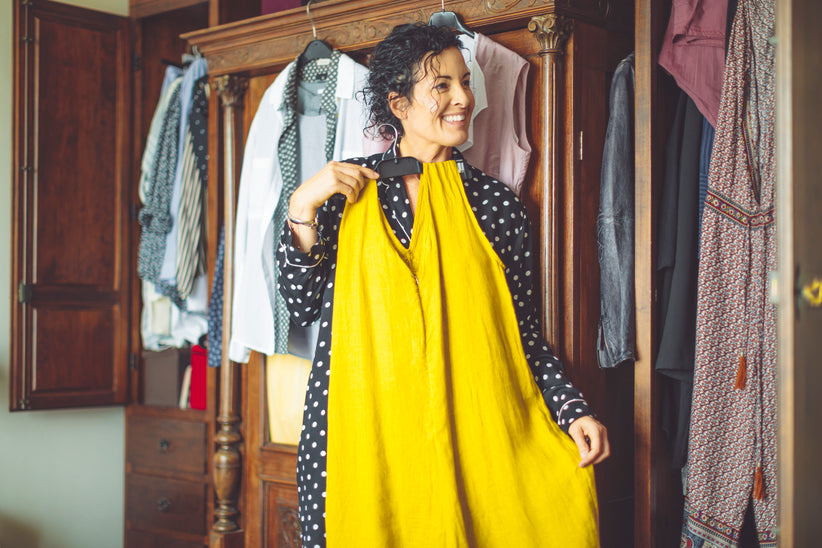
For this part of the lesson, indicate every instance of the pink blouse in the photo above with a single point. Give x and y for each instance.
(693, 51)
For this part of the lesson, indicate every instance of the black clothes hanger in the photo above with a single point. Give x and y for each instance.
(316, 48)
(448, 19)
(397, 166)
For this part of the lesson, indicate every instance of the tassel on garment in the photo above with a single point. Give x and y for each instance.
(759, 484)
(741, 373)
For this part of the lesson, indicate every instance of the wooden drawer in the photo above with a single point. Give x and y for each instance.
(145, 539)
(166, 444)
(163, 503)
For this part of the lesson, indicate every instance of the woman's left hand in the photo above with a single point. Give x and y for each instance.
(591, 438)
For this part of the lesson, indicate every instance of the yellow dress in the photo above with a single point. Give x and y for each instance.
(437, 434)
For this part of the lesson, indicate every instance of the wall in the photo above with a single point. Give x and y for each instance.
(61, 472)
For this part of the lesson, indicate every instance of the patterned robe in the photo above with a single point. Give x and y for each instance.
(732, 445)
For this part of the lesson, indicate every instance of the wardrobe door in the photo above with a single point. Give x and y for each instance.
(799, 291)
(71, 263)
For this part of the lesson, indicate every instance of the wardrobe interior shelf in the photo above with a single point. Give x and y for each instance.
(144, 8)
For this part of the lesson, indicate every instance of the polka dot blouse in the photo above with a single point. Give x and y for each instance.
(306, 282)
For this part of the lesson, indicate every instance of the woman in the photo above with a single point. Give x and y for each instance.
(434, 428)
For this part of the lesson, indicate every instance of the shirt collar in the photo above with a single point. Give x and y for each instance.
(310, 72)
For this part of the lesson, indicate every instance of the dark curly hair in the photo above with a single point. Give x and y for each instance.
(394, 67)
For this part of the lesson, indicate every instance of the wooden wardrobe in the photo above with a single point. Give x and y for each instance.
(573, 48)
(245, 485)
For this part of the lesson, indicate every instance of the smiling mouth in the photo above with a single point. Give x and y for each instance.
(454, 118)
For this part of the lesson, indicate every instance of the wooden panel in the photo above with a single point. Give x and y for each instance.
(144, 8)
(226, 11)
(70, 203)
(81, 334)
(76, 201)
(145, 539)
(281, 524)
(165, 504)
(648, 161)
(166, 444)
(657, 487)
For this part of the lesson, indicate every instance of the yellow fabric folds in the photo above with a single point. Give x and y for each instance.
(437, 433)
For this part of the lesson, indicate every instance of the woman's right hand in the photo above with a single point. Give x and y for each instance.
(334, 178)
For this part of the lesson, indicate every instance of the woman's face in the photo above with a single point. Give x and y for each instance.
(441, 103)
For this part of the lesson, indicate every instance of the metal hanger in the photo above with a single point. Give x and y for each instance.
(397, 166)
(448, 19)
(187, 58)
(316, 48)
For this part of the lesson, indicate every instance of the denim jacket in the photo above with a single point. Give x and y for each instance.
(615, 224)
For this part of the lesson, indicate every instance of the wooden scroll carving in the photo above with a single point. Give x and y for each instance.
(227, 461)
(289, 530)
(552, 32)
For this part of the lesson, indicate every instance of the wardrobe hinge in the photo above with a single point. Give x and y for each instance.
(26, 4)
(132, 361)
(23, 293)
(581, 133)
(23, 404)
(135, 63)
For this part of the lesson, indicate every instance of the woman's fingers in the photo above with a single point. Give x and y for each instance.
(582, 445)
(591, 439)
(599, 447)
(350, 185)
(605, 447)
(356, 170)
(335, 177)
(354, 177)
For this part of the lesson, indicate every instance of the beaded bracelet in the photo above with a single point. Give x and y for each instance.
(309, 224)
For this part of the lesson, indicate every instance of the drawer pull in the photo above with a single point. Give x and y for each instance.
(163, 505)
(163, 446)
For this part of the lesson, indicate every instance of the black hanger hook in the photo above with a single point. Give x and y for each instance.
(397, 166)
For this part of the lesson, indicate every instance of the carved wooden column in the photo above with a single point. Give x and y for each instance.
(552, 32)
(227, 461)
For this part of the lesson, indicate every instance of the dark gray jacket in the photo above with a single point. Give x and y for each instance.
(615, 224)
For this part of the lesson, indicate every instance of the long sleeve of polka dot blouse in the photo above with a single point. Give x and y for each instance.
(306, 280)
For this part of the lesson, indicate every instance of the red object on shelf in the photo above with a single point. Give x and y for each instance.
(199, 365)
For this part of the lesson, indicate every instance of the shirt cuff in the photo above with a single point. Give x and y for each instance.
(570, 411)
(294, 257)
